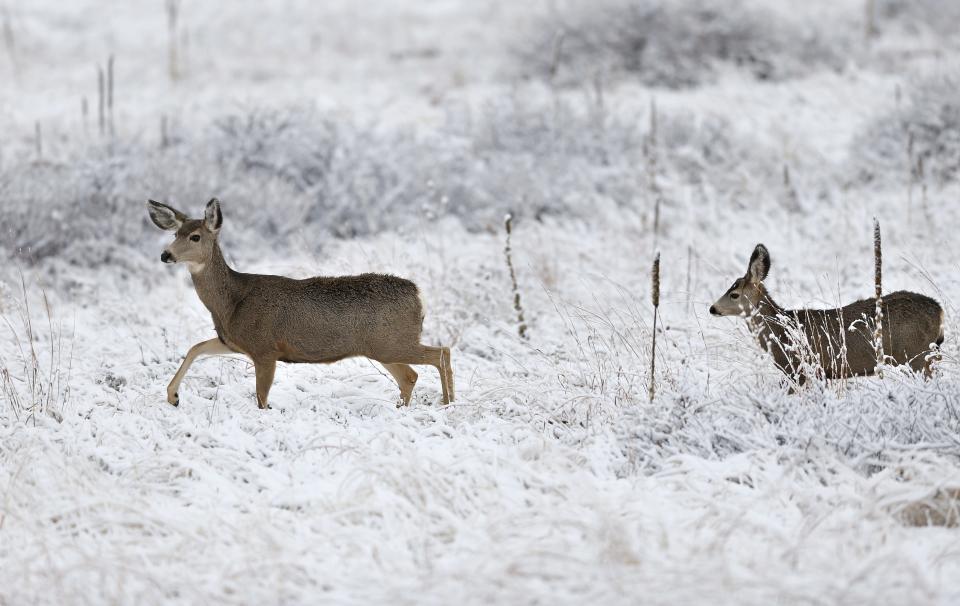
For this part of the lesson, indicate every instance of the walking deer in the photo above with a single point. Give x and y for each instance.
(836, 342)
(316, 320)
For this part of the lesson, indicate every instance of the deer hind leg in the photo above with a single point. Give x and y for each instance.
(213, 347)
(448, 362)
(406, 378)
(439, 358)
(265, 370)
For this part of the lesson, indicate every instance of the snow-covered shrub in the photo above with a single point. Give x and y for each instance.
(296, 176)
(675, 44)
(927, 127)
(939, 16)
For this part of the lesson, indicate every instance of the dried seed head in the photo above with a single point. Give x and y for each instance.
(656, 281)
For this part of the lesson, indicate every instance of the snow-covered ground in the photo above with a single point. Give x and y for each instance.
(346, 137)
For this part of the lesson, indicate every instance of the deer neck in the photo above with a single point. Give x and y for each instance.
(767, 319)
(216, 285)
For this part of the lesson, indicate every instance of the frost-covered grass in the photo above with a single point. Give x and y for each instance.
(552, 479)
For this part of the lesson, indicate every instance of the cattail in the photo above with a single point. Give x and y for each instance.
(9, 41)
(870, 21)
(921, 175)
(877, 281)
(164, 135)
(556, 56)
(173, 68)
(85, 113)
(911, 175)
(100, 99)
(792, 197)
(655, 298)
(521, 323)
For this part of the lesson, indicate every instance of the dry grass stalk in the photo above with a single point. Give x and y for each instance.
(521, 323)
(33, 391)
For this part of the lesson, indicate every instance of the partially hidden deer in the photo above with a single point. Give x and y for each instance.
(274, 319)
(838, 342)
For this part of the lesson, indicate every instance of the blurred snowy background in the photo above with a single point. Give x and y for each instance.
(344, 137)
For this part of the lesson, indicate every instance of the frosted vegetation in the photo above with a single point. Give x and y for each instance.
(610, 132)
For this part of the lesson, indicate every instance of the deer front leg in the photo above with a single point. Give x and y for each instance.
(212, 347)
(265, 370)
(406, 378)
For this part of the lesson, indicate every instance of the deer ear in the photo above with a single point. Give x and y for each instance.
(165, 217)
(759, 264)
(213, 217)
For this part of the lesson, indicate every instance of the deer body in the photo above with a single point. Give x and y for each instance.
(316, 320)
(837, 342)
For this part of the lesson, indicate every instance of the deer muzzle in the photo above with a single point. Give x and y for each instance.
(166, 257)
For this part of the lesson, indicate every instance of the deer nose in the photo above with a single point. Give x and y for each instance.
(166, 257)
(713, 310)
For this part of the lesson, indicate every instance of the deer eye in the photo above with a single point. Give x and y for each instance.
(734, 295)
(195, 238)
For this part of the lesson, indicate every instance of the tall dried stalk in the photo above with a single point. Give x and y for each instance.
(110, 94)
(922, 177)
(164, 134)
(653, 188)
(655, 297)
(101, 100)
(9, 41)
(173, 60)
(870, 30)
(792, 197)
(521, 323)
(911, 177)
(877, 282)
(85, 114)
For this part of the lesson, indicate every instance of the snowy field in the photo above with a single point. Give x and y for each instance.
(346, 137)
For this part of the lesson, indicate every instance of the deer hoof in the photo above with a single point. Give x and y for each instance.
(174, 398)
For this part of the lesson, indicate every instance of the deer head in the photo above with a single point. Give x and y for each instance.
(195, 239)
(746, 293)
